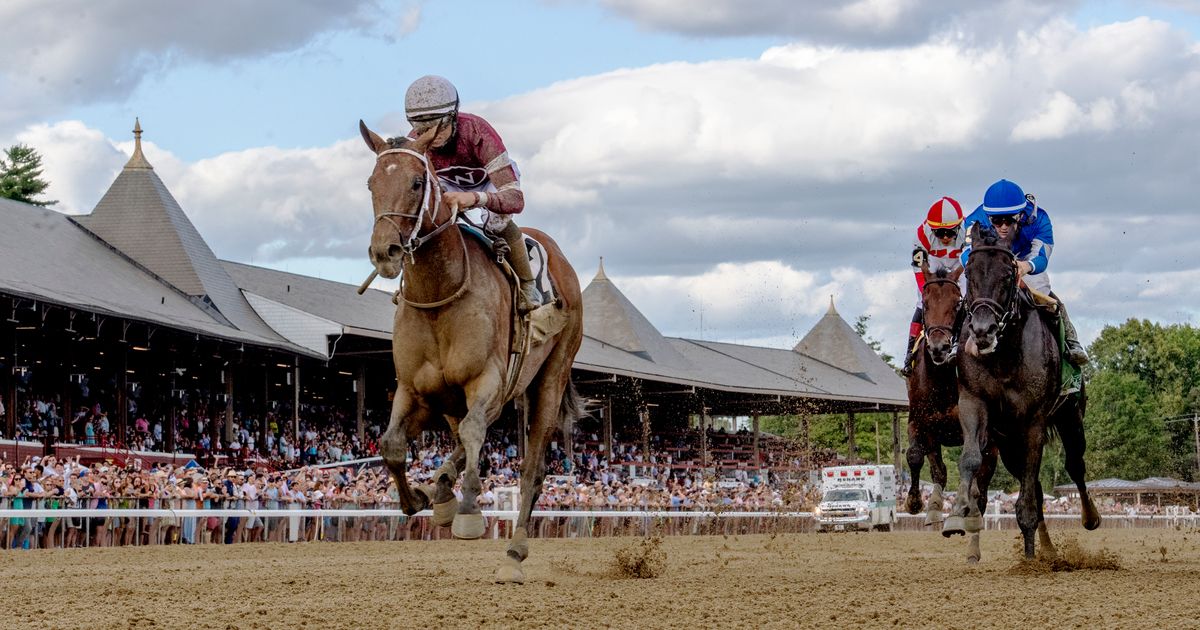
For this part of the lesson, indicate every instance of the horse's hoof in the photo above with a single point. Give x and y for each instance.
(934, 518)
(973, 523)
(424, 494)
(443, 513)
(972, 559)
(953, 526)
(510, 572)
(1091, 521)
(468, 526)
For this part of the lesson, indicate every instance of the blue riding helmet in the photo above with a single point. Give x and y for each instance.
(1004, 197)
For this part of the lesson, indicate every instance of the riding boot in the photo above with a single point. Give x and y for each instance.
(1074, 350)
(906, 368)
(528, 296)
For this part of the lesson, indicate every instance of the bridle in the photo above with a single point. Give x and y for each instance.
(431, 203)
(431, 200)
(949, 330)
(1004, 313)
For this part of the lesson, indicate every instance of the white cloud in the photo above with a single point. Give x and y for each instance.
(860, 22)
(84, 51)
(751, 189)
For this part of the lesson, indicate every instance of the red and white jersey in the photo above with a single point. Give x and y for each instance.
(928, 247)
(475, 160)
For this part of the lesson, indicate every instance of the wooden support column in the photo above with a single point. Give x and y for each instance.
(360, 402)
(229, 432)
(878, 454)
(852, 445)
(754, 425)
(296, 405)
(896, 441)
(703, 436)
(264, 427)
(805, 442)
(123, 399)
(645, 416)
(608, 431)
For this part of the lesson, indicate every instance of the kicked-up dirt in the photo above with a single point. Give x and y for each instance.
(873, 580)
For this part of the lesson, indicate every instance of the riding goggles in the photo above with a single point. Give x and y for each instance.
(945, 232)
(1002, 220)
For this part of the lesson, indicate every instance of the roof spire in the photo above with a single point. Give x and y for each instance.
(832, 310)
(600, 275)
(138, 159)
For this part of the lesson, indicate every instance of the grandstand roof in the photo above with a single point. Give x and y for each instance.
(618, 339)
(45, 256)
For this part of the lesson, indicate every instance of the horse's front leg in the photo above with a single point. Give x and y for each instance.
(972, 415)
(917, 449)
(937, 472)
(1029, 504)
(393, 448)
(483, 405)
(445, 504)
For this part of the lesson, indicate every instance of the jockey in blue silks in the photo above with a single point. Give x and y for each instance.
(1017, 218)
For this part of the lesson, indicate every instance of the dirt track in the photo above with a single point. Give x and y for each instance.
(876, 580)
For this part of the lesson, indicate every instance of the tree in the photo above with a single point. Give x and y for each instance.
(21, 176)
(1141, 374)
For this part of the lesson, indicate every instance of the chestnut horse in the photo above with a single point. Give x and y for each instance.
(451, 343)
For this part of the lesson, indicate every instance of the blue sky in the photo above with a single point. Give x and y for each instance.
(315, 95)
(741, 159)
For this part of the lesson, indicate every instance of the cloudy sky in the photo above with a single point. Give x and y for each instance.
(736, 162)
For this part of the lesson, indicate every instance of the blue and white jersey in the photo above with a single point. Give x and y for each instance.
(1034, 242)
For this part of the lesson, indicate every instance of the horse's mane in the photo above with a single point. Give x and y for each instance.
(399, 142)
(988, 235)
(942, 273)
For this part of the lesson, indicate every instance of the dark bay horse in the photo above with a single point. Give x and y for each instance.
(933, 390)
(1009, 383)
(451, 342)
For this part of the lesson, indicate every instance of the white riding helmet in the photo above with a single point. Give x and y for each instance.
(429, 98)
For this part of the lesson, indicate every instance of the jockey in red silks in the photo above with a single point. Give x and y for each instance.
(938, 244)
(475, 171)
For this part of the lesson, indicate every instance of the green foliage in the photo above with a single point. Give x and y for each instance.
(21, 176)
(1144, 384)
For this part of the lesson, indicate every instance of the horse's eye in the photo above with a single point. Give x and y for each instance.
(417, 182)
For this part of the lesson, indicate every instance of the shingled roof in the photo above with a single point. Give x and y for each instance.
(140, 218)
(834, 342)
(609, 317)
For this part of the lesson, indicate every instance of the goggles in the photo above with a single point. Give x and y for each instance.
(1002, 220)
(945, 232)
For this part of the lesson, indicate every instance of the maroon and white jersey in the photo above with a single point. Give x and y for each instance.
(475, 160)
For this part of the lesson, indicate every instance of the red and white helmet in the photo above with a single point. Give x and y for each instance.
(944, 213)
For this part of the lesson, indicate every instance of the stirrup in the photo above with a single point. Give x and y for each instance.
(528, 300)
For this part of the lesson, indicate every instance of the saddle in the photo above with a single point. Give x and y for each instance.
(1047, 306)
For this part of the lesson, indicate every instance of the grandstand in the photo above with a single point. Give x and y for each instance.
(127, 310)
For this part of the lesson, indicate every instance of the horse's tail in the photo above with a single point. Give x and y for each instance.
(571, 408)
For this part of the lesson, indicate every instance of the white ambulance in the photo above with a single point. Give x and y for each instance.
(857, 498)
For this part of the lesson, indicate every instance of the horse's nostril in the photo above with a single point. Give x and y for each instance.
(394, 250)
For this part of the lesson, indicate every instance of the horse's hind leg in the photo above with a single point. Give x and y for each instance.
(393, 447)
(483, 405)
(1069, 422)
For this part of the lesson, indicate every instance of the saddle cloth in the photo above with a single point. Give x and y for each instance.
(537, 260)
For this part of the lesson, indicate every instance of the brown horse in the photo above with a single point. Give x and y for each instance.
(451, 343)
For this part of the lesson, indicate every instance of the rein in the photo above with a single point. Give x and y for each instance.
(431, 203)
(949, 330)
(1004, 313)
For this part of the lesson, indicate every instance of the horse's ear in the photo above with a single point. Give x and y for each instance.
(954, 275)
(374, 142)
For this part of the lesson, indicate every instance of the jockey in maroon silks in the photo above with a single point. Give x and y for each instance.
(475, 171)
